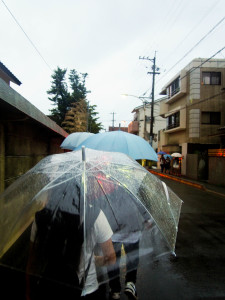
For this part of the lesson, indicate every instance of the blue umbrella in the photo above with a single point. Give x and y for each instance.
(161, 152)
(168, 155)
(120, 141)
(74, 139)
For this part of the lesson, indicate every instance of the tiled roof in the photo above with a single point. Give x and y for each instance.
(9, 74)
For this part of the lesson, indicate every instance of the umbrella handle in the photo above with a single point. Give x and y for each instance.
(83, 154)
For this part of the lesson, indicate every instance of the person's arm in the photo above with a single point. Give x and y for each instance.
(109, 255)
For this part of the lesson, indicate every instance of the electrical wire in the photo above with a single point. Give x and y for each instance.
(207, 34)
(170, 18)
(193, 29)
(202, 63)
(210, 10)
(27, 36)
(193, 69)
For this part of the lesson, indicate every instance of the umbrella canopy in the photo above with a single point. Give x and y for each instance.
(168, 155)
(120, 141)
(74, 139)
(176, 154)
(161, 152)
(81, 186)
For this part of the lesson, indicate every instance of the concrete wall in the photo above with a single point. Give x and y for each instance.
(216, 170)
(192, 166)
(26, 135)
(24, 144)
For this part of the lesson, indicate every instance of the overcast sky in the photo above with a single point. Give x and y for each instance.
(105, 39)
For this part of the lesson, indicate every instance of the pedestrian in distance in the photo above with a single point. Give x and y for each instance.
(176, 166)
(162, 163)
(167, 165)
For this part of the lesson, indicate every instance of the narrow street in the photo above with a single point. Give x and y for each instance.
(197, 271)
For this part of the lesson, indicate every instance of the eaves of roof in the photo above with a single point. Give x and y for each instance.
(17, 101)
(9, 74)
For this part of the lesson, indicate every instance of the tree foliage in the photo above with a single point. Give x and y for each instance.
(93, 124)
(60, 96)
(71, 108)
(76, 118)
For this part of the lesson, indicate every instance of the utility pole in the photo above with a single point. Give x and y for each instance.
(154, 72)
(87, 116)
(113, 120)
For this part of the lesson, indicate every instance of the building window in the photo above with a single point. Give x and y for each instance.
(173, 121)
(212, 78)
(174, 87)
(209, 117)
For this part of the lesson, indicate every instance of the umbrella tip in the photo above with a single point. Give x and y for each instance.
(83, 153)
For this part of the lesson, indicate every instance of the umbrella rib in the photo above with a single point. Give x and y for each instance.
(46, 187)
(140, 203)
(107, 200)
(168, 200)
(115, 179)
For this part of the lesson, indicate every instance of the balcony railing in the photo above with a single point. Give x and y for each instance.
(174, 125)
(174, 92)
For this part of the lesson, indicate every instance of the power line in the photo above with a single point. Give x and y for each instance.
(194, 46)
(197, 66)
(193, 29)
(193, 104)
(188, 72)
(202, 63)
(27, 36)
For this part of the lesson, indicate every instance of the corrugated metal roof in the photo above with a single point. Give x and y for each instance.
(9, 74)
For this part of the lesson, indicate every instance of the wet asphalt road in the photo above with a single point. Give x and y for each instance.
(198, 270)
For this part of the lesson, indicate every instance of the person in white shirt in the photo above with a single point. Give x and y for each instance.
(101, 234)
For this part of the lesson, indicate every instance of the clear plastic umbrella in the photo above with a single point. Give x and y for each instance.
(176, 154)
(82, 189)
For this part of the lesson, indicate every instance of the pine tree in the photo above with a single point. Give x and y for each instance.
(72, 110)
(77, 85)
(60, 97)
(93, 125)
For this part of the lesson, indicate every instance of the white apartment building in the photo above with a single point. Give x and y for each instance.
(142, 122)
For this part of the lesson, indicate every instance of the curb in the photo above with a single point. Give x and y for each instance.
(214, 192)
(197, 185)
